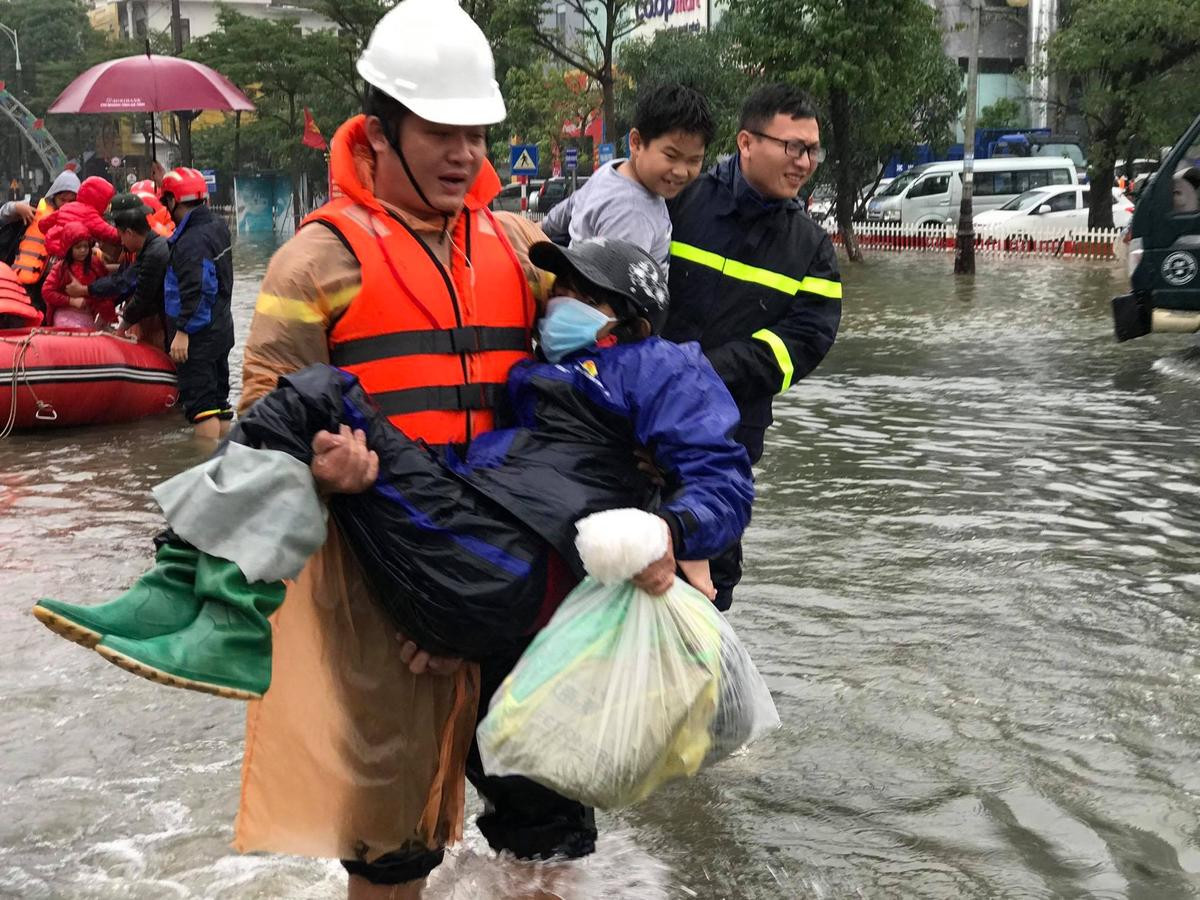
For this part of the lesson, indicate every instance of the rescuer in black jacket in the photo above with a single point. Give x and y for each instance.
(752, 277)
(149, 268)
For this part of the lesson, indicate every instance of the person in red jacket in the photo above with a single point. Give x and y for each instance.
(87, 209)
(81, 264)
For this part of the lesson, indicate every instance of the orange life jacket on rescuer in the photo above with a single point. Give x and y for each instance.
(432, 344)
(30, 261)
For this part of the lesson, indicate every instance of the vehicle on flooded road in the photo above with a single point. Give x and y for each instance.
(1164, 248)
(1059, 209)
(931, 194)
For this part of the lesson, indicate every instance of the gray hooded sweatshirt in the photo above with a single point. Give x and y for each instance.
(613, 206)
(66, 181)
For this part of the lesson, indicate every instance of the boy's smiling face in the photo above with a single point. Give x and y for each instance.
(667, 164)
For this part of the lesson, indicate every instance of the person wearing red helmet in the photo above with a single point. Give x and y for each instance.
(159, 217)
(197, 291)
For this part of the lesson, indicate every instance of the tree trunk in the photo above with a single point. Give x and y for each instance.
(860, 198)
(293, 163)
(847, 190)
(608, 105)
(237, 141)
(1101, 172)
(606, 79)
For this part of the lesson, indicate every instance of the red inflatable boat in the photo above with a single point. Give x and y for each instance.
(52, 377)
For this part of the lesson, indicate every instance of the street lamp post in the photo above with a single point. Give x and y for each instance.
(964, 245)
(11, 34)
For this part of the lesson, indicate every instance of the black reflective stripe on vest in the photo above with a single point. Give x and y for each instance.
(469, 339)
(438, 397)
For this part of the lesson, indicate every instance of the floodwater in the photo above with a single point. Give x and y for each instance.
(973, 587)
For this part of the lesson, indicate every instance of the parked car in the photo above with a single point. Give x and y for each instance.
(553, 192)
(930, 194)
(820, 205)
(509, 198)
(1044, 209)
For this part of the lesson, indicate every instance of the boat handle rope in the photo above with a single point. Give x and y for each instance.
(18, 373)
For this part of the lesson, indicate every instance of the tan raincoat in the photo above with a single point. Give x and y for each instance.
(348, 754)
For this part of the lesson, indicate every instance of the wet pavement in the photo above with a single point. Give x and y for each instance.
(973, 583)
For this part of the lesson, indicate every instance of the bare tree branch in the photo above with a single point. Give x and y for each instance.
(551, 46)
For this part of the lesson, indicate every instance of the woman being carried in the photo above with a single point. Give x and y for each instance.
(468, 554)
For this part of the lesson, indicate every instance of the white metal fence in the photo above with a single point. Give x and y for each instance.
(1101, 243)
(1104, 243)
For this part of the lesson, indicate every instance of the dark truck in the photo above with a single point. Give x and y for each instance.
(1164, 248)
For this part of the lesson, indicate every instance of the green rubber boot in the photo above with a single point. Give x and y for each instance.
(161, 601)
(225, 651)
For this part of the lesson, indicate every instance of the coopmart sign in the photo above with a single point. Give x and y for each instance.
(656, 15)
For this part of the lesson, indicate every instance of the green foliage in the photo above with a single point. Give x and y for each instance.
(1135, 63)
(876, 67)
(540, 97)
(1004, 113)
(57, 43)
(706, 61)
(593, 52)
(283, 71)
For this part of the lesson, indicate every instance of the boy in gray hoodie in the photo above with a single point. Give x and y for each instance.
(627, 198)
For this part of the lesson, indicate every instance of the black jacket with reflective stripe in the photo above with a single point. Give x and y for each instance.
(757, 285)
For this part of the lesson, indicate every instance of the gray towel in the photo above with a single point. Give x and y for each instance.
(257, 508)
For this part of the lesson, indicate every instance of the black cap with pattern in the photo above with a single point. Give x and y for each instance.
(127, 208)
(615, 266)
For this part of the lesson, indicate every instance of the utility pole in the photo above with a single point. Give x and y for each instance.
(964, 245)
(11, 34)
(182, 117)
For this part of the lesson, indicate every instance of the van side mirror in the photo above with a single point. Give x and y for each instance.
(1043, 209)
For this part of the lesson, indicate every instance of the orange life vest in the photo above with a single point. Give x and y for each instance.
(31, 256)
(432, 345)
(160, 220)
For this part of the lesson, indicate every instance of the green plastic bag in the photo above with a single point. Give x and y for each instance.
(622, 692)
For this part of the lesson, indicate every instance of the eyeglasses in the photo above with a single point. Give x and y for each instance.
(797, 149)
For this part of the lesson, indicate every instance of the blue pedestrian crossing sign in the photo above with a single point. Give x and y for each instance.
(523, 159)
(571, 159)
(605, 153)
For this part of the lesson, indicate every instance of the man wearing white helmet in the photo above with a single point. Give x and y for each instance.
(407, 280)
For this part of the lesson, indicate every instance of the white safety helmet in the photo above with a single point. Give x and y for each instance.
(431, 56)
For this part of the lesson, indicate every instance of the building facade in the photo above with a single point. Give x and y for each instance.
(1012, 44)
(135, 19)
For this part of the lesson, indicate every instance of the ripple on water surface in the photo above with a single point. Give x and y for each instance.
(971, 585)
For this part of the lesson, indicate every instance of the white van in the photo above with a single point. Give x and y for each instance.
(930, 194)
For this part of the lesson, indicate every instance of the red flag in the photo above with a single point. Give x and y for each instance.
(595, 128)
(312, 134)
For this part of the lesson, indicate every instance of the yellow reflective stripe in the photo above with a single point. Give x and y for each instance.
(696, 255)
(782, 358)
(310, 312)
(822, 287)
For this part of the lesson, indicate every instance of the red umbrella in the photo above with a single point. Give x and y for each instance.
(149, 83)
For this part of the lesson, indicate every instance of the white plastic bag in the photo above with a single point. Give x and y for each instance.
(622, 691)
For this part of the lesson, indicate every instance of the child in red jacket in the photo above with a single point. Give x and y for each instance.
(86, 209)
(81, 264)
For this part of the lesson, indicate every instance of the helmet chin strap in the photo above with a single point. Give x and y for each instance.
(391, 132)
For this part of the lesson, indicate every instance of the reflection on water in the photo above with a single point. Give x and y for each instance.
(972, 587)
